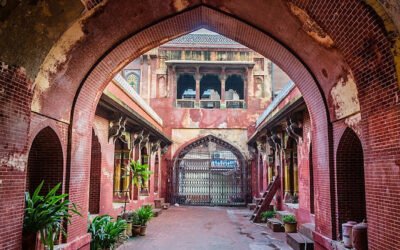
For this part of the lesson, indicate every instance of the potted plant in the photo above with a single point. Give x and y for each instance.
(135, 224)
(144, 214)
(290, 223)
(267, 215)
(127, 216)
(106, 232)
(46, 215)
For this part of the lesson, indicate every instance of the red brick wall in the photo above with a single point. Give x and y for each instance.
(350, 179)
(358, 34)
(95, 176)
(15, 99)
(305, 179)
(45, 162)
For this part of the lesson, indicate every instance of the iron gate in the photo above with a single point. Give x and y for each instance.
(209, 172)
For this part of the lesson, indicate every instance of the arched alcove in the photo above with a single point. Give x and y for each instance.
(234, 84)
(95, 175)
(350, 179)
(186, 88)
(210, 87)
(45, 161)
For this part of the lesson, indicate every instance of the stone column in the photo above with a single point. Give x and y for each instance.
(223, 79)
(197, 77)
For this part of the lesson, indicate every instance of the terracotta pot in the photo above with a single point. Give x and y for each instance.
(136, 230)
(143, 230)
(29, 240)
(290, 227)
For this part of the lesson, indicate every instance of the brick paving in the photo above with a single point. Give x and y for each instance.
(206, 228)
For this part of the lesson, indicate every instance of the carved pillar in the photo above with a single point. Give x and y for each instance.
(197, 77)
(223, 79)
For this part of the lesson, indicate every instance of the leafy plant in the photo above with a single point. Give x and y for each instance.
(47, 214)
(140, 173)
(267, 215)
(289, 219)
(135, 218)
(106, 232)
(144, 214)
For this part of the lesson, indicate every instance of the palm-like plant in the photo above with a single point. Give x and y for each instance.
(48, 214)
(140, 173)
(106, 232)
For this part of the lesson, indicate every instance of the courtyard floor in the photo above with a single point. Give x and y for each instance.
(206, 228)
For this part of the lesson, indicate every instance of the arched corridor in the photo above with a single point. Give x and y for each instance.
(340, 58)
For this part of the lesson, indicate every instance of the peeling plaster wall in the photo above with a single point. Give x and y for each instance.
(344, 96)
(28, 29)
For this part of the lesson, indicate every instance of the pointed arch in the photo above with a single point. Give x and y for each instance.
(45, 161)
(350, 180)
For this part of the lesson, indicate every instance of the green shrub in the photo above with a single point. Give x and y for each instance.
(144, 213)
(106, 232)
(289, 219)
(48, 214)
(267, 215)
(135, 218)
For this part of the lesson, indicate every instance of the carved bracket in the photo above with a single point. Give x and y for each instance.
(155, 146)
(164, 150)
(294, 129)
(117, 129)
(144, 141)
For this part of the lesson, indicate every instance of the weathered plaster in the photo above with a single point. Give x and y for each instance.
(344, 96)
(16, 161)
(354, 123)
(180, 5)
(311, 27)
(57, 56)
(28, 29)
(236, 137)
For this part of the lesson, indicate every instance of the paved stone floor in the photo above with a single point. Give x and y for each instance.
(206, 228)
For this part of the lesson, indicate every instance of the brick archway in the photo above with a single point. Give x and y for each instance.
(201, 17)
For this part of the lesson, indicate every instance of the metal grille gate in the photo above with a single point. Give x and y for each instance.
(209, 172)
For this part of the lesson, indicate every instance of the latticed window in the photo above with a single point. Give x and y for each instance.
(174, 55)
(133, 79)
(207, 55)
(121, 178)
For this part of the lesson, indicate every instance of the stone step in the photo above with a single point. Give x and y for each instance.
(157, 212)
(158, 202)
(299, 242)
(251, 206)
(275, 225)
(256, 200)
(307, 229)
(165, 205)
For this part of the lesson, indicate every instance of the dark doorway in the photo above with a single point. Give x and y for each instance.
(45, 161)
